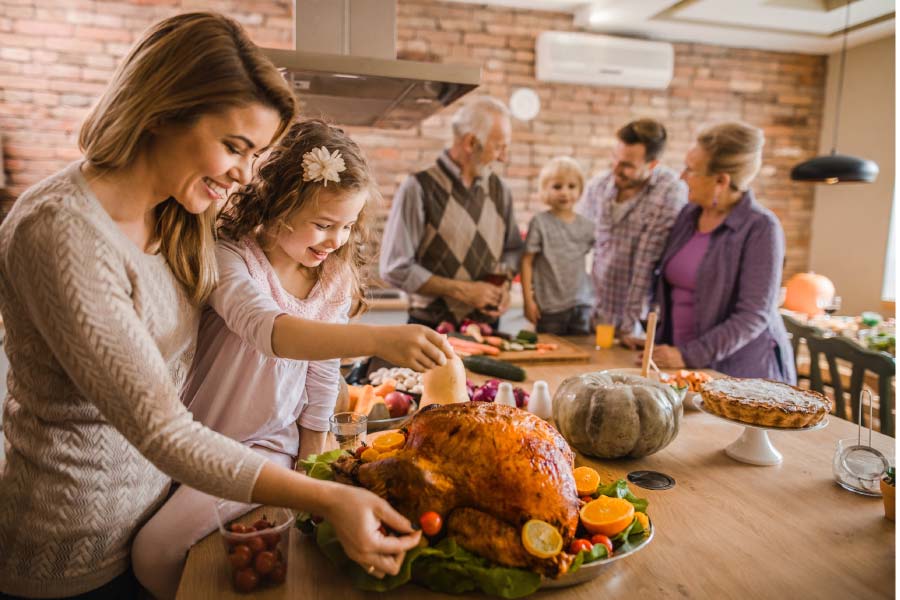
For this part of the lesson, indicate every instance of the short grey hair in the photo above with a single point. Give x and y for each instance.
(477, 117)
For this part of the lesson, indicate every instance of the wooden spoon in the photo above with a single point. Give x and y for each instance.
(648, 344)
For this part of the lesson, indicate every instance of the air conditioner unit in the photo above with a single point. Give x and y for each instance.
(603, 60)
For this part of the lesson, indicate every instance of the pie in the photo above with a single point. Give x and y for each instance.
(764, 402)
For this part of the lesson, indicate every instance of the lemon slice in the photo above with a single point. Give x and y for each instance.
(389, 441)
(541, 539)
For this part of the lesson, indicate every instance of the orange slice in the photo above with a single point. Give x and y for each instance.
(541, 539)
(388, 454)
(369, 455)
(644, 521)
(607, 515)
(586, 481)
(389, 441)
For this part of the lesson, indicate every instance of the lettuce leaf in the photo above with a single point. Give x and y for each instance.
(318, 466)
(446, 567)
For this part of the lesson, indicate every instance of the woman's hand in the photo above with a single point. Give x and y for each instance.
(357, 517)
(632, 342)
(668, 357)
(413, 346)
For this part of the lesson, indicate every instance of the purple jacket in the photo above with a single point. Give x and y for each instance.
(739, 329)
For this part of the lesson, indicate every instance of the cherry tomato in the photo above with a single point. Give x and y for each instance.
(240, 556)
(262, 524)
(279, 573)
(431, 523)
(580, 545)
(358, 452)
(271, 540)
(246, 580)
(256, 545)
(238, 528)
(586, 498)
(264, 562)
(602, 539)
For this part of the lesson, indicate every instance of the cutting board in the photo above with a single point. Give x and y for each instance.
(567, 352)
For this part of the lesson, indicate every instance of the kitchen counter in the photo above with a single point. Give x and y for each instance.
(726, 530)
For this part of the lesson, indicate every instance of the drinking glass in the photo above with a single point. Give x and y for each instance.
(605, 334)
(348, 429)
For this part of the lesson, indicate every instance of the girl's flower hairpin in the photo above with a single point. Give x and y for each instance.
(319, 165)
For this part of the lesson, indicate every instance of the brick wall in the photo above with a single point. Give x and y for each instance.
(55, 57)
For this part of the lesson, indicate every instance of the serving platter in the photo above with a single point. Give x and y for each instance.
(594, 569)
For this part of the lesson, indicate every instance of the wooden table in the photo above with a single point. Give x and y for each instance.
(726, 530)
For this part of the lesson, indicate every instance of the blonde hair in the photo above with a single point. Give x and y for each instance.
(733, 148)
(183, 67)
(561, 165)
(279, 191)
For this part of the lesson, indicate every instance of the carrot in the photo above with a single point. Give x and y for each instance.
(473, 346)
(461, 347)
(540, 346)
(494, 341)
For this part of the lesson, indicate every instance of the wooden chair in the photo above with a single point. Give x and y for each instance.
(798, 331)
(882, 365)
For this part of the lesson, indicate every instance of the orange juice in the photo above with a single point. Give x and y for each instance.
(605, 335)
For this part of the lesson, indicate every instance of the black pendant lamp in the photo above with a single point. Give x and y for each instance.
(837, 168)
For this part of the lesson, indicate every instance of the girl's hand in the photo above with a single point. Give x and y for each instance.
(532, 312)
(357, 516)
(668, 357)
(413, 346)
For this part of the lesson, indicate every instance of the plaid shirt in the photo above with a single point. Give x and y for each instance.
(627, 249)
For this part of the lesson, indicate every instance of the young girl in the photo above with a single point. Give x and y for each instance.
(289, 260)
(555, 286)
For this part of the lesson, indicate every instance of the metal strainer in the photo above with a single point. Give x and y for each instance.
(864, 462)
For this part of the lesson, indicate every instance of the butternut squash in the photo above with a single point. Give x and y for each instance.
(445, 384)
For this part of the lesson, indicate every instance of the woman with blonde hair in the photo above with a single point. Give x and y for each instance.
(720, 274)
(102, 269)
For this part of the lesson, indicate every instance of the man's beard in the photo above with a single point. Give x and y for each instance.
(481, 170)
(631, 183)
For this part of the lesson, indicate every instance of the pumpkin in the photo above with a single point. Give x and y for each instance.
(807, 293)
(610, 415)
(445, 384)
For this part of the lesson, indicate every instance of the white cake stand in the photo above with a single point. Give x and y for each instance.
(754, 446)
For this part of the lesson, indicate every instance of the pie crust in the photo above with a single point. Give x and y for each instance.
(764, 402)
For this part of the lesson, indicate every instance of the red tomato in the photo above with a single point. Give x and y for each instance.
(238, 528)
(358, 453)
(262, 524)
(431, 523)
(246, 580)
(279, 573)
(240, 556)
(271, 540)
(602, 539)
(587, 498)
(580, 545)
(264, 562)
(256, 545)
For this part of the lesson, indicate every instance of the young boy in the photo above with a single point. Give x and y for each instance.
(555, 285)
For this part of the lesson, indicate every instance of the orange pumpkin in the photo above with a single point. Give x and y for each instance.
(807, 293)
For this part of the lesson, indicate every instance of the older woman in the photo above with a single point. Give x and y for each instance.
(102, 268)
(720, 273)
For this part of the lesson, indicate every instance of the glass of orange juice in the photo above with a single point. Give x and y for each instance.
(605, 333)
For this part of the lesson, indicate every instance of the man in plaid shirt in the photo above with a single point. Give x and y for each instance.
(633, 206)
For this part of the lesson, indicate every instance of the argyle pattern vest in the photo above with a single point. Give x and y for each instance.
(463, 240)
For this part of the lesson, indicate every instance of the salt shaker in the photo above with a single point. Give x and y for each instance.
(505, 395)
(540, 404)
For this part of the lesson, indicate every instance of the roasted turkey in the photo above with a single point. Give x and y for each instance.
(486, 469)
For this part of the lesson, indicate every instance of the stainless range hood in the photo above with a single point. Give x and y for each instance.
(375, 89)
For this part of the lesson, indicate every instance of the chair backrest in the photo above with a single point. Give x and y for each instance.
(861, 360)
(798, 331)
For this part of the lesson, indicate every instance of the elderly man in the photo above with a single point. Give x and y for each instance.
(451, 227)
(633, 206)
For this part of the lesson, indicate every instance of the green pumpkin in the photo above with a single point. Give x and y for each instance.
(610, 415)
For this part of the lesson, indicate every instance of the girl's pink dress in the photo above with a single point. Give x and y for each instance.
(238, 387)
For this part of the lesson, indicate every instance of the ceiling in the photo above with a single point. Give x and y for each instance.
(809, 26)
